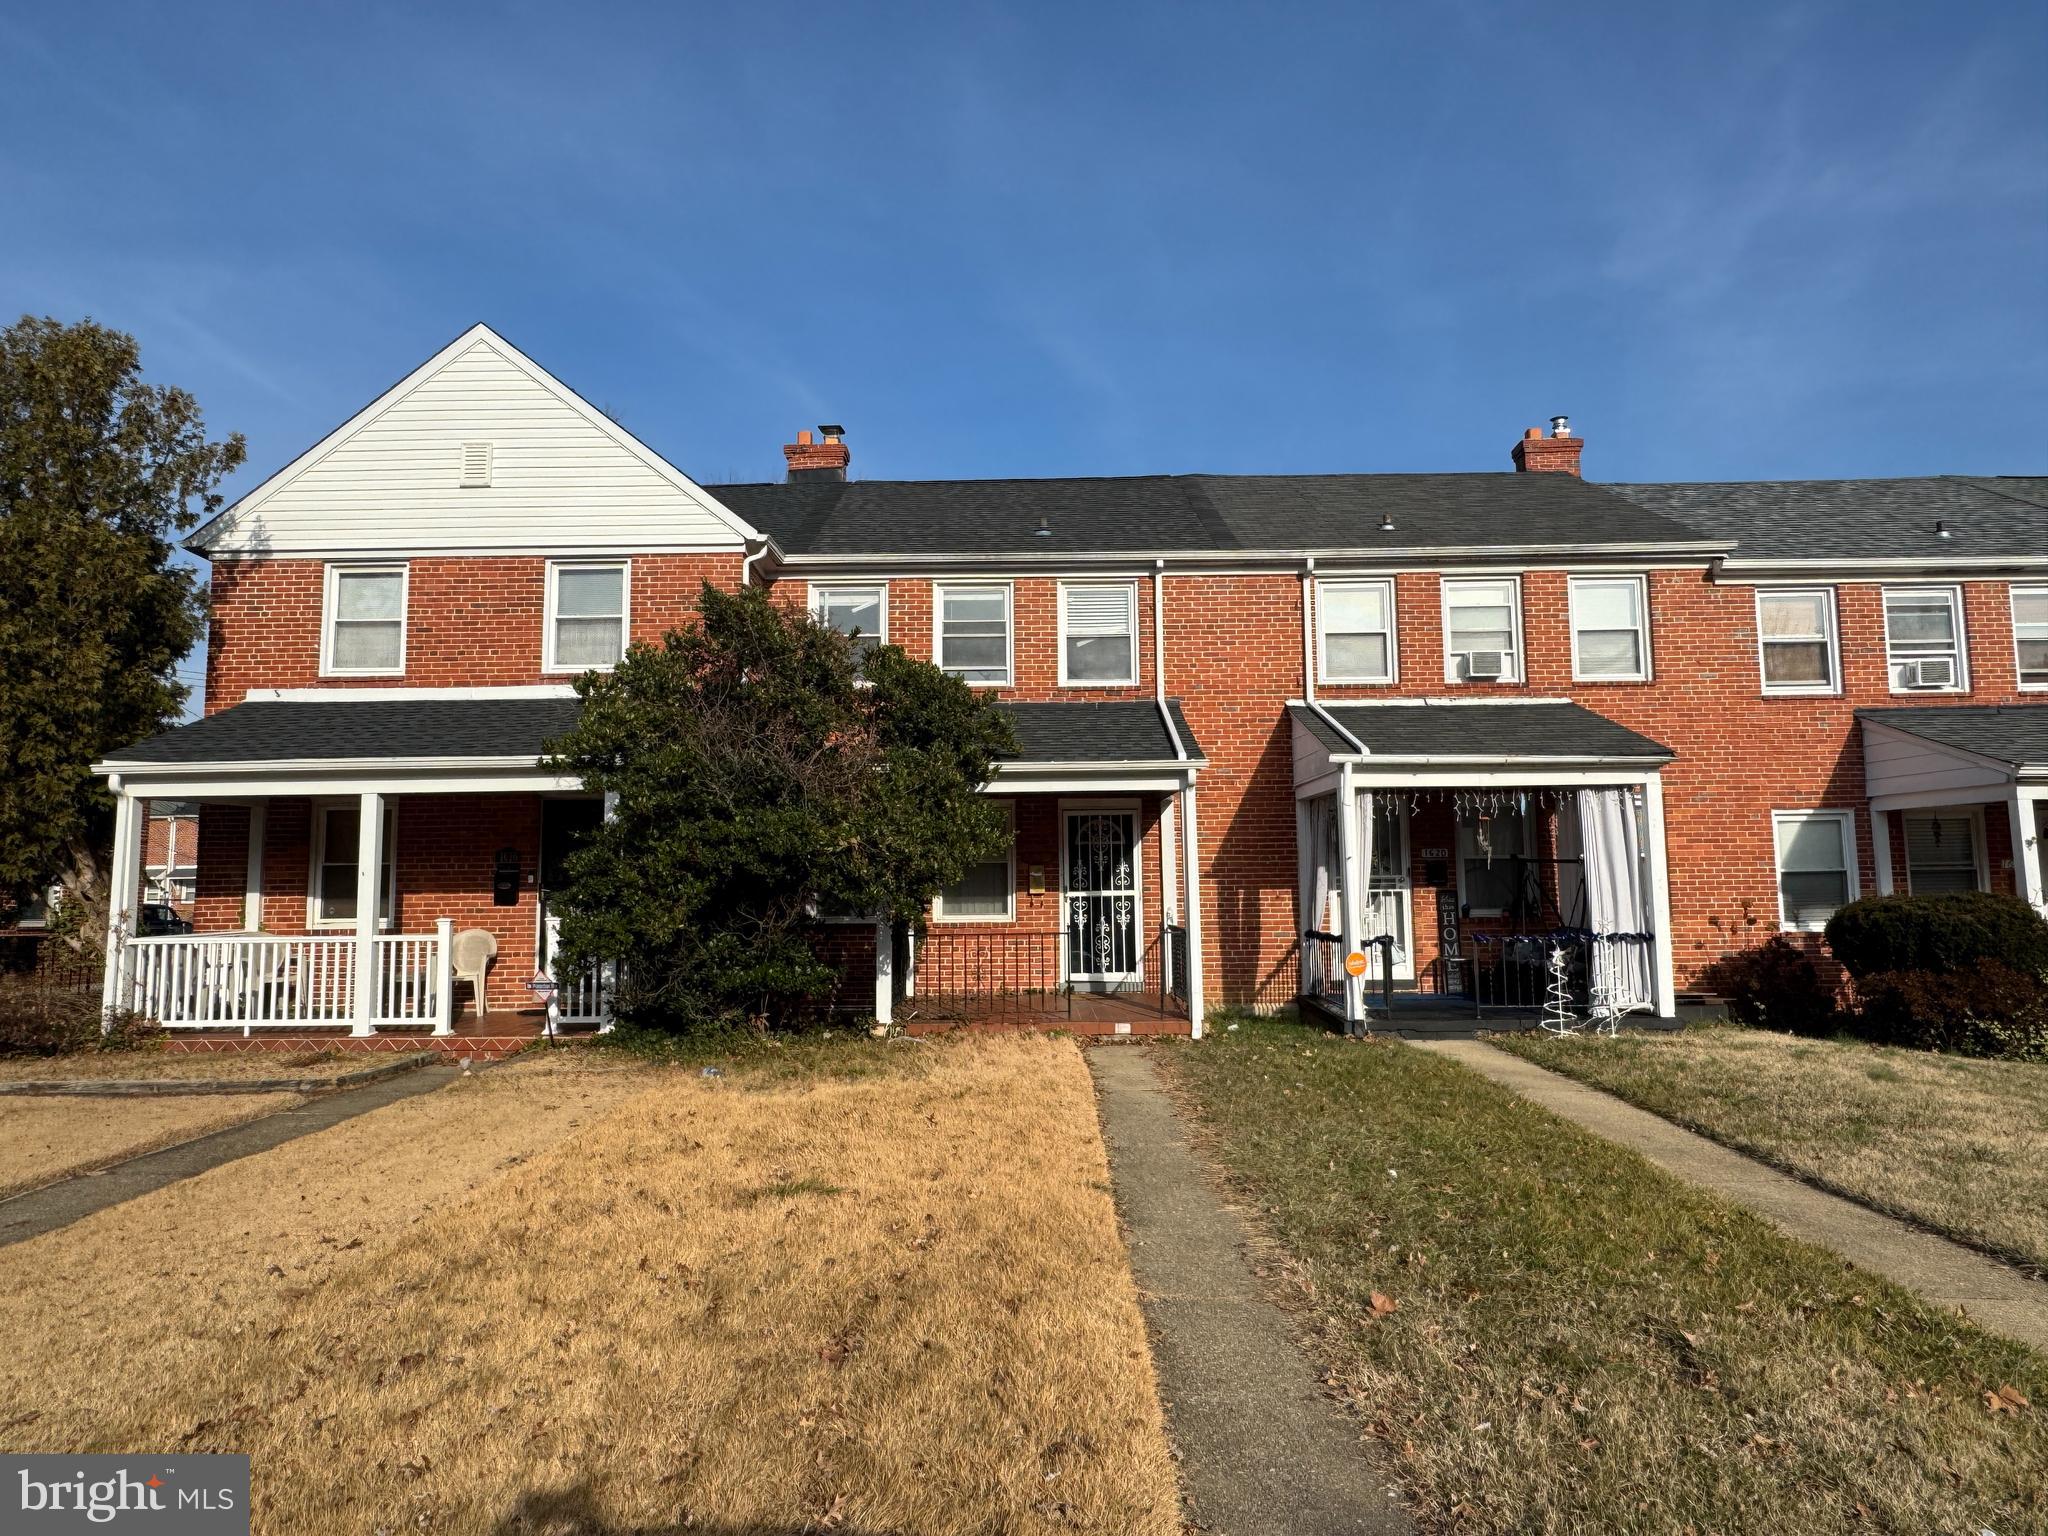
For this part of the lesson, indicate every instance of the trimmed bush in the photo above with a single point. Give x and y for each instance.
(1990, 1010)
(1941, 935)
(1773, 985)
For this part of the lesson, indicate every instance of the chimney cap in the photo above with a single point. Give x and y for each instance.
(832, 432)
(1560, 426)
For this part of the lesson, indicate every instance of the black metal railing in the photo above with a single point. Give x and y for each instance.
(974, 974)
(1173, 974)
(1511, 972)
(1326, 956)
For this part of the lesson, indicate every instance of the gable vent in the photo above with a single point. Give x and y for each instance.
(476, 464)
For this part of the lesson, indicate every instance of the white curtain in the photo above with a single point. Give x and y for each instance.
(1611, 841)
(1316, 903)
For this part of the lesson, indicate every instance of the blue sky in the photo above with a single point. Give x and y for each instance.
(1049, 239)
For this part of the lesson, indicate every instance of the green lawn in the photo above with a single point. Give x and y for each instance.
(1578, 1342)
(1955, 1144)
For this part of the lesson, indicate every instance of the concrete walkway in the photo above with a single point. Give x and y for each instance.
(1261, 1450)
(1946, 1274)
(58, 1205)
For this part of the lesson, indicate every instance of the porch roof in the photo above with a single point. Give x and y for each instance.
(513, 732)
(1461, 731)
(2015, 735)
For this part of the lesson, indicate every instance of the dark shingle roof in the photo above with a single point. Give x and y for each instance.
(1479, 731)
(1121, 731)
(275, 731)
(1861, 519)
(1189, 513)
(2016, 734)
(267, 731)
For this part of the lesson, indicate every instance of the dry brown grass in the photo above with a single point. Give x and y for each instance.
(1956, 1144)
(149, 1066)
(43, 1140)
(897, 1304)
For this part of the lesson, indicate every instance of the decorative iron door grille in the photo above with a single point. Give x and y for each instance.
(1102, 895)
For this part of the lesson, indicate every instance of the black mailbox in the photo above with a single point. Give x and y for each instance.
(505, 879)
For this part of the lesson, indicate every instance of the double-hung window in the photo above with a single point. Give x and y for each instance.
(1944, 851)
(987, 893)
(1796, 639)
(1356, 619)
(971, 633)
(336, 838)
(1610, 629)
(586, 617)
(1098, 635)
(1816, 857)
(1483, 630)
(859, 612)
(2030, 635)
(364, 631)
(1923, 639)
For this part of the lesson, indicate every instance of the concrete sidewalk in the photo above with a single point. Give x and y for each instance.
(68, 1200)
(1946, 1274)
(1262, 1451)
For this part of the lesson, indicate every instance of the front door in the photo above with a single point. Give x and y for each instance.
(1101, 887)
(1387, 896)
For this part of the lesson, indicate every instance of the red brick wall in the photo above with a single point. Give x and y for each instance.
(470, 620)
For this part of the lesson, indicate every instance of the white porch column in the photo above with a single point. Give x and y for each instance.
(1660, 895)
(2020, 811)
(1881, 849)
(369, 889)
(444, 975)
(1352, 919)
(123, 877)
(252, 874)
(1169, 883)
(1191, 859)
(885, 972)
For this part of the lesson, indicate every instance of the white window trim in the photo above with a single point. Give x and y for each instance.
(815, 598)
(1646, 673)
(1131, 589)
(1009, 591)
(1834, 638)
(1850, 862)
(2014, 591)
(547, 633)
(1979, 848)
(330, 582)
(1954, 595)
(1010, 915)
(316, 840)
(1323, 669)
(1521, 667)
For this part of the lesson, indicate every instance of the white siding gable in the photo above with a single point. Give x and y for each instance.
(402, 477)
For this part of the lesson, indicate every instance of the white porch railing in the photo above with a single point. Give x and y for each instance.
(263, 981)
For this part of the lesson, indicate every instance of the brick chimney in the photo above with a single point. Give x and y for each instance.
(824, 458)
(1557, 454)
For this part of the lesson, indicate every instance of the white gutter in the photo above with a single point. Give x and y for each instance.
(1308, 658)
(1159, 657)
(116, 769)
(1492, 554)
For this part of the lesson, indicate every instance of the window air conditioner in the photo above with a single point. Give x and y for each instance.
(1929, 672)
(1486, 665)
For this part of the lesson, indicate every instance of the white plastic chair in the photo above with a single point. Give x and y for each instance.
(475, 949)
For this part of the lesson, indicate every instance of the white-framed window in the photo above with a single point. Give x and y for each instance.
(362, 628)
(587, 605)
(1355, 622)
(1483, 629)
(1816, 859)
(1098, 634)
(1923, 639)
(1944, 851)
(1495, 876)
(1610, 629)
(987, 893)
(1795, 636)
(2030, 635)
(336, 837)
(861, 612)
(971, 633)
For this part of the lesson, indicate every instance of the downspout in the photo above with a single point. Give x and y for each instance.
(1180, 752)
(747, 565)
(1308, 657)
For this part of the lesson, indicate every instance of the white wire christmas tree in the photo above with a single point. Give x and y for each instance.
(1558, 1018)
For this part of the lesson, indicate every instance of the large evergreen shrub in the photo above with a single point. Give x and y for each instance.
(1942, 935)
